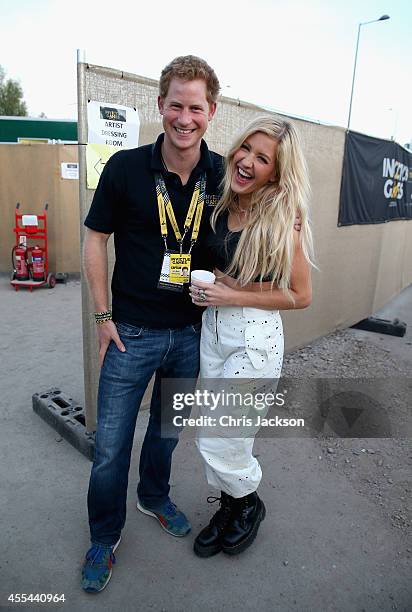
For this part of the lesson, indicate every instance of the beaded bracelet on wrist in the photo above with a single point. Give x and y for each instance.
(102, 317)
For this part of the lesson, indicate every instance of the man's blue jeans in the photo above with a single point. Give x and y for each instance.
(171, 353)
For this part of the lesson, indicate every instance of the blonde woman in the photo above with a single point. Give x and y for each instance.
(262, 265)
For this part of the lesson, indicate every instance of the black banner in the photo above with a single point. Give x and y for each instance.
(376, 181)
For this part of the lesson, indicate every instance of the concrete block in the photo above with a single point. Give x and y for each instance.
(67, 417)
(382, 326)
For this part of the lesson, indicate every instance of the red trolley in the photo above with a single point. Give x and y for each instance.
(31, 262)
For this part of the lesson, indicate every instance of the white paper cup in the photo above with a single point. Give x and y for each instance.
(203, 275)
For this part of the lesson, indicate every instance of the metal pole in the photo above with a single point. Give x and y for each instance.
(89, 356)
(353, 77)
(383, 18)
(395, 124)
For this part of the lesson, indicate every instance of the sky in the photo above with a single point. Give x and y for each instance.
(292, 56)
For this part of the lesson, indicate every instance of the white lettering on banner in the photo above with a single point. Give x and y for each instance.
(393, 189)
(394, 169)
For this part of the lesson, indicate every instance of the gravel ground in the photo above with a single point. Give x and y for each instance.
(377, 468)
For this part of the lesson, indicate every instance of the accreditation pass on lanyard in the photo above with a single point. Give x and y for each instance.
(176, 265)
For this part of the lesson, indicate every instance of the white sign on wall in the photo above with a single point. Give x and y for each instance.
(112, 125)
(70, 170)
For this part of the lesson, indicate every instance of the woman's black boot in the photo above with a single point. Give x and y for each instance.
(209, 540)
(248, 512)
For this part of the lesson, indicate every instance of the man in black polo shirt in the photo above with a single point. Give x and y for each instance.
(157, 200)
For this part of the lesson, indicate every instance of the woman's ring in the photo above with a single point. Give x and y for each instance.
(202, 295)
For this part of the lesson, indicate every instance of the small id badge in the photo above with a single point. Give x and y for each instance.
(179, 267)
(164, 280)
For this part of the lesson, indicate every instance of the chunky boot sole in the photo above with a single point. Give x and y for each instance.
(235, 550)
(206, 551)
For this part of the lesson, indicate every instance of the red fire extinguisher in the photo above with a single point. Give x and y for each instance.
(37, 263)
(20, 262)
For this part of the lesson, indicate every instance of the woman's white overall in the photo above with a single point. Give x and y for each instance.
(243, 345)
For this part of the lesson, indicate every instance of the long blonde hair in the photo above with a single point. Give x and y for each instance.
(266, 246)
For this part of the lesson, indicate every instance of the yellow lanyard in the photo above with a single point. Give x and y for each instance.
(195, 210)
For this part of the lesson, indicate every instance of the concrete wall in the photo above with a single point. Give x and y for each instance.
(31, 175)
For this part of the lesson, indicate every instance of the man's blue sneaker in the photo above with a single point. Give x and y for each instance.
(97, 568)
(170, 518)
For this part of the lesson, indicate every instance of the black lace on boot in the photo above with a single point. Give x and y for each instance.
(248, 512)
(243, 507)
(209, 540)
(221, 518)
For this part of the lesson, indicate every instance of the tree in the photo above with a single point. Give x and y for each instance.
(11, 97)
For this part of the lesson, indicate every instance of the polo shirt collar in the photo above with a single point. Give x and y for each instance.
(204, 163)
